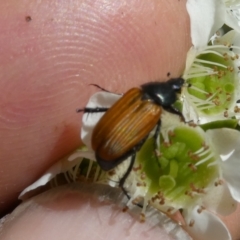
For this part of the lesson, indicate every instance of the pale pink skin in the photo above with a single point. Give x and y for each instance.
(46, 66)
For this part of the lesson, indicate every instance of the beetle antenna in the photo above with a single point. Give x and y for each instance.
(103, 89)
(78, 110)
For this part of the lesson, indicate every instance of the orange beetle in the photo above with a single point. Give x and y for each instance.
(125, 126)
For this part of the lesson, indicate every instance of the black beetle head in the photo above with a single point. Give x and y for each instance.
(163, 93)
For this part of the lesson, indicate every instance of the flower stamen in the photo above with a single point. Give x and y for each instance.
(191, 223)
(201, 209)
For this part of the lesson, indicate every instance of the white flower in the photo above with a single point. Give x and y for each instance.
(201, 187)
(213, 75)
(220, 196)
(206, 19)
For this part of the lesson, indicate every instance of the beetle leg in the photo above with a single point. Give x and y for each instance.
(123, 179)
(156, 135)
(174, 110)
(92, 110)
(156, 138)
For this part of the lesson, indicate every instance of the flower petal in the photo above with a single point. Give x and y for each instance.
(232, 17)
(219, 200)
(205, 18)
(47, 176)
(82, 154)
(99, 99)
(59, 167)
(234, 38)
(205, 225)
(231, 174)
(227, 142)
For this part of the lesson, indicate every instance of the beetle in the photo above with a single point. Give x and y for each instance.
(125, 126)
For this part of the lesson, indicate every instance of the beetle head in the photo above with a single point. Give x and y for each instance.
(162, 93)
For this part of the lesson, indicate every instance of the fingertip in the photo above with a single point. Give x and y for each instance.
(83, 212)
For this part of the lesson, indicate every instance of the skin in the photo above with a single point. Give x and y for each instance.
(50, 52)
